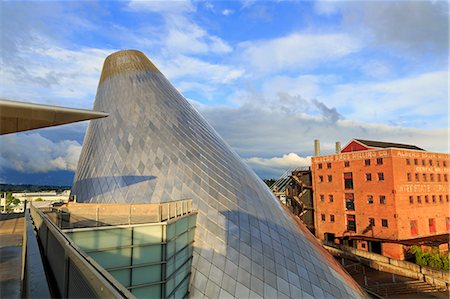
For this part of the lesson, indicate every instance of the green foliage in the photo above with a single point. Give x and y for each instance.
(39, 199)
(431, 258)
(10, 200)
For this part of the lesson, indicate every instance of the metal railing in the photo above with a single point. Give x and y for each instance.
(73, 273)
(76, 215)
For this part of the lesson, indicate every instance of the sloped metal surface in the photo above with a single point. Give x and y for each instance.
(155, 147)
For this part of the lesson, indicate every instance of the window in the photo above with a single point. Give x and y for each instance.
(411, 199)
(430, 162)
(330, 198)
(369, 199)
(330, 178)
(379, 161)
(423, 162)
(440, 198)
(446, 198)
(408, 176)
(432, 225)
(351, 223)
(367, 162)
(445, 177)
(419, 200)
(328, 165)
(437, 162)
(408, 162)
(431, 177)
(426, 198)
(438, 177)
(371, 221)
(382, 199)
(320, 178)
(447, 223)
(413, 227)
(348, 180)
(415, 161)
(424, 177)
(384, 223)
(323, 217)
(381, 176)
(368, 177)
(319, 166)
(433, 198)
(346, 163)
(322, 197)
(363, 245)
(417, 177)
(331, 218)
(444, 163)
(349, 202)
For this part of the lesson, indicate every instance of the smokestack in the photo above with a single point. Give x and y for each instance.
(316, 147)
(338, 147)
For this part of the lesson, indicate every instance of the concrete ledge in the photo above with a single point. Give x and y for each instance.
(440, 279)
(34, 281)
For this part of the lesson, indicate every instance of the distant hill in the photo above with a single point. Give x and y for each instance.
(30, 188)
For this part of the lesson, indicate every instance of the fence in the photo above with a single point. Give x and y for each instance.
(75, 274)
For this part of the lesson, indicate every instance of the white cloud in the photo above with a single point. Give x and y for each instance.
(55, 75)
(184, 36)
(283, 163)
(34, 153)
(186, 66)
(227, 12)
(163, 7)
(414, 26)
(255, 131)
(420, 96)
(298, 50)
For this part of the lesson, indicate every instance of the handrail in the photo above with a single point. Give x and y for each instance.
(98, 279)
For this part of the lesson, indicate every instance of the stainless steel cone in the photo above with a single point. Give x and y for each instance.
(155, 147)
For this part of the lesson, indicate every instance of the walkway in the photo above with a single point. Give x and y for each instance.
(11, 231)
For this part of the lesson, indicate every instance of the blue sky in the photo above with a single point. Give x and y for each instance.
(270, 76)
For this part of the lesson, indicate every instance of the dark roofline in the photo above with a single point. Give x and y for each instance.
(381, 144)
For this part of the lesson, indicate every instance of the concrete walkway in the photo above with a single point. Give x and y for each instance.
(11, 232)
(388, 285)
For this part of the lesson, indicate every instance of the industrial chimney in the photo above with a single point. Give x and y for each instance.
(338, 147)
(316, 147)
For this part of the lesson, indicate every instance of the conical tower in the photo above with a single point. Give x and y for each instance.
(155, 147)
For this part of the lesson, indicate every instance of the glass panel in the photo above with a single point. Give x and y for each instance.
(170, 231)
(148, 292)
(181, 241)
(170, 248)
(97, 239)
(170, 285)
(146, 274)
(112, 258)
(191, 235)
(147, 234)
(122, 276)
(182, 290)
(182, 225)
(170, 266)
(147, 254)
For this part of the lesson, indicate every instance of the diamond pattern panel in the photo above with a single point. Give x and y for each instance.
(155, 147)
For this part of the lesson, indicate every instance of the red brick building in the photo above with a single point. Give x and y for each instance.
(382, 197)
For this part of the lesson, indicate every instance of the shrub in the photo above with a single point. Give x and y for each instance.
(431, 258)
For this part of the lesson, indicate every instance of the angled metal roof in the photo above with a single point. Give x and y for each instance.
(21, 116)
(380, 144)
